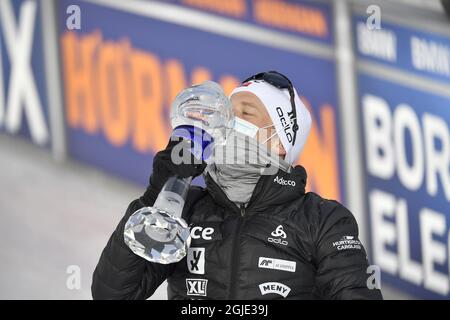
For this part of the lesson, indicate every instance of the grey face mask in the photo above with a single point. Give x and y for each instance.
(237, 166)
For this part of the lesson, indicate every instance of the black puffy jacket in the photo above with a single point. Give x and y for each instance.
(285, 244)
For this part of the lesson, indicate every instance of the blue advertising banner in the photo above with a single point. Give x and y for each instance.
(23, 100)
(121, 72)
(420, 52)
(307, 18)
(406, 137)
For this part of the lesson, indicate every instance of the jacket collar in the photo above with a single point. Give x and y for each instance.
(270, 190)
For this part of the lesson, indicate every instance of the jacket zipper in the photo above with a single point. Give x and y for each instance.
(236, 254)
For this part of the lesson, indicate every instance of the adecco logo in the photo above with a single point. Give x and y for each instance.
(283, 182)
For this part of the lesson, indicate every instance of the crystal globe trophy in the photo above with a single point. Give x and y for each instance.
(200, 114)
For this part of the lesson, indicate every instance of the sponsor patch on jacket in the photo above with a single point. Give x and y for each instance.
(199, 232)
(196, 287)
(283, 182)
(347, 243)
(196, 260)
(205, 231)
(274, 287)
(277, 264)
(278, 235)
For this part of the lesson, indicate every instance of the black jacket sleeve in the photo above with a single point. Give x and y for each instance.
(341, 259)
(120, 274)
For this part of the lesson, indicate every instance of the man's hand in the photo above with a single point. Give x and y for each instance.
(175, 159)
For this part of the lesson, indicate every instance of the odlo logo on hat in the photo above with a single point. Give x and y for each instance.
(285, 123)
(283, 182)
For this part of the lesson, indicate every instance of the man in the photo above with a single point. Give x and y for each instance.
(256, 234)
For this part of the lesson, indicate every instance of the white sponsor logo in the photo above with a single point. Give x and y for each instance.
(200, 232)
(347, 242)
(390, 228)
(22, 100)
(286, 125)
(381, 44)
(430, 56)
(283, 182)
(412, 148)
(278, 232)
(196, 260)
(387, 130)
(277, 264)
(274, 287)
(196, 287)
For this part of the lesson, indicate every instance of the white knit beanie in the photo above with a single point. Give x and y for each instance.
(278, 104)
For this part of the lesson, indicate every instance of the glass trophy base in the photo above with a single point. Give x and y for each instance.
(157, 236)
